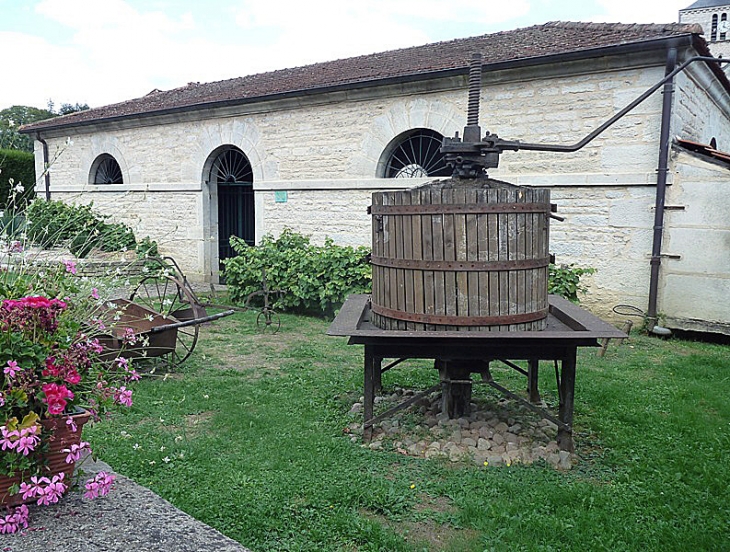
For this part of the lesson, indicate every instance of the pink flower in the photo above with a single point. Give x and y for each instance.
(12, 523)
(94, 293)
(99, 485)
(123, 396)
(9, 438)
(56, 396)
(71, 424)
(2, 400)
(129, 337)
(52, 491)
(29, 440)
(16, 247)
(11, 368)
(75, 452)
(70, 266)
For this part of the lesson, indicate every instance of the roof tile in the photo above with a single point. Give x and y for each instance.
(530, 42)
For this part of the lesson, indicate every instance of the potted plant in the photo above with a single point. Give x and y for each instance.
(54, 377)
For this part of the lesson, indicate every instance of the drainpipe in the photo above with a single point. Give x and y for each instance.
(46, 173)
(661, 190)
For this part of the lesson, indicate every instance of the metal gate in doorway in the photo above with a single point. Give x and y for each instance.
(236, 213)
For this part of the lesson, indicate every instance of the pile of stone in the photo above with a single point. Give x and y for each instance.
(499, 433)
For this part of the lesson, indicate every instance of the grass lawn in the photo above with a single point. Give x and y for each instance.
(248, 437)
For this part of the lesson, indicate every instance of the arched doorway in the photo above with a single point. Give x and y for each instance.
(231, 172)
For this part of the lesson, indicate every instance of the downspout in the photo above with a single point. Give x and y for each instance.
(46, 168)
(661, 191)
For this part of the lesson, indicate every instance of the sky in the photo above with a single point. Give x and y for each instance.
(100, 52)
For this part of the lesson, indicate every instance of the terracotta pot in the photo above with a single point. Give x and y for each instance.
(60, 437)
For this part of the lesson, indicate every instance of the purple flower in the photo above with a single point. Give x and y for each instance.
(11, 368)
(94, 293)
(123, 396)
(70, 266)
(74, 453)
(99, 485)
(12, 523)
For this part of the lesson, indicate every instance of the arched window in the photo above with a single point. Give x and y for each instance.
(413, 154)
(723, 26)
(230, 166)
(713, 33)
(713, 143)
(106, 170)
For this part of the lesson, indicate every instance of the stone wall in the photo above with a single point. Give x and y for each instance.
(316, 160)
(695, 283)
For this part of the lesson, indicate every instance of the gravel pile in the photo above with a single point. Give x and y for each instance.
(501, 433)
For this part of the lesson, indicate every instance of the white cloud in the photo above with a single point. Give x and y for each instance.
(647, 11)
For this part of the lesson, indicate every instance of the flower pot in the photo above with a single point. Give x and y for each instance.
(59, 436)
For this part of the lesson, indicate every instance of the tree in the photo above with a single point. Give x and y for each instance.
(12, 118)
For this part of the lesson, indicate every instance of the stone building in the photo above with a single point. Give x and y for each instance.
(714, 18)
(305, 148)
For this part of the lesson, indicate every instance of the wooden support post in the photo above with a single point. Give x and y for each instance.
(377, 374)
(456, 378)
(368, 392)
(532, 374)
(567, 394)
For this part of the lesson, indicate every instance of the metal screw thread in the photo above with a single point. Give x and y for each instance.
(475, 84)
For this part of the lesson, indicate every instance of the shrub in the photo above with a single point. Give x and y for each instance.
(16, 167)
(54, 223)
(314, 279)
(564, 280)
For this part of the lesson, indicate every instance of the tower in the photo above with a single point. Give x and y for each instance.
(714, 17)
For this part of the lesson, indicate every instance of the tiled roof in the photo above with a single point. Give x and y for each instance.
(706, 4)
(415, 62)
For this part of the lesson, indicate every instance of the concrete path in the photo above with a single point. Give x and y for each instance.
(129, 519)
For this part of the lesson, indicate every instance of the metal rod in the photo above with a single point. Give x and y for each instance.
(392, 365)
(514, 366)
(401, 406)
(578, 145)
(193, 322)
(475, 84)
(661, 189)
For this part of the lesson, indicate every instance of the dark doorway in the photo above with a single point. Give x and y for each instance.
(232, 173)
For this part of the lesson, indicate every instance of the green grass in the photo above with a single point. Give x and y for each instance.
(248, 437)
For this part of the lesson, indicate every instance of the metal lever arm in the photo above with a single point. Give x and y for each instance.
(517, 145)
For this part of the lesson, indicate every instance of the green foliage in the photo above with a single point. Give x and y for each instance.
(14, 117)
(54, 223)
(565, 281)
(116, 237)
(16, 168)
(313, 278)
(147, 247)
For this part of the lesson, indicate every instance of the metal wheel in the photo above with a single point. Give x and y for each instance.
(268, 321)
(166, 295)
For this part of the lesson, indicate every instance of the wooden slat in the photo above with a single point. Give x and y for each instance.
(447, 197)
(472, 254)
(400, 302)
(429, 298)
(417, 252)
(437, 225)
(408, 275)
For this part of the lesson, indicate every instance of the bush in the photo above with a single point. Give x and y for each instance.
(16, 167)
(55, 223)
(565, 281)
(314, 279)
